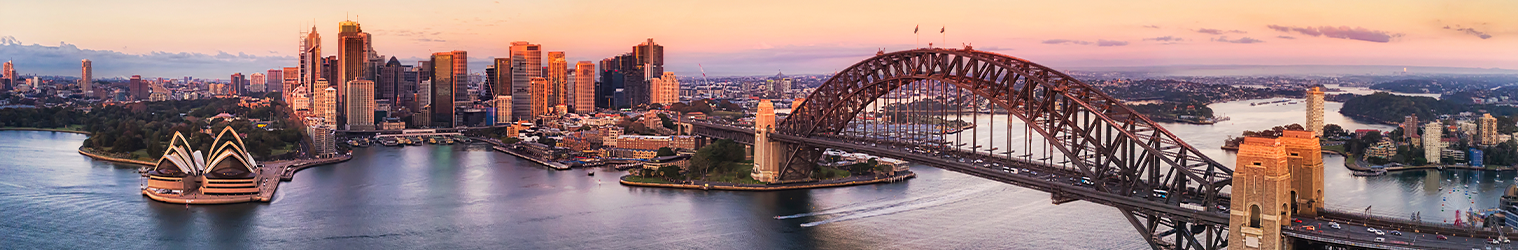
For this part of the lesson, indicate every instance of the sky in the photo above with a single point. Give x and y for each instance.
(213, 39)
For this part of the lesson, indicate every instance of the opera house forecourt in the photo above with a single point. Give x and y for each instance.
(226, 174)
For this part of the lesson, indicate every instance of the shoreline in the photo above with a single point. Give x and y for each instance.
(113, 159)
(731, 187)
(44, 130)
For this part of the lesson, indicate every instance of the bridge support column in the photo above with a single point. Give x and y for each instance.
(1305, 159)
(1261, 195)
(767, 156)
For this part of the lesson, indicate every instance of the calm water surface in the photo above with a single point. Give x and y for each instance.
(470, 197)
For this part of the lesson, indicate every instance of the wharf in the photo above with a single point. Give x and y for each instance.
(549, 164)
(900, 176)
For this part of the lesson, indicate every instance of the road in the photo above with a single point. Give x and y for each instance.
(1354, 231)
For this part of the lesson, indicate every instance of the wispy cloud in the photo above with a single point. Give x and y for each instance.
(1471, 31)
(1108, 43)
(1210, 31)
(1165, 39)
(1152, 26)
(1286, 37)
(1066, 41)
(1341, 32)
(1240, 40)
(63, 59)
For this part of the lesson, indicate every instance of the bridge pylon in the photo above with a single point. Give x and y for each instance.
(767, 153)
(1261, 195)
(1305, 159)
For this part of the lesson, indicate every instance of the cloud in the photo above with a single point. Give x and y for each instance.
(1165, 39)
(1210, 31)
(426, 40)
(1066, 41)
(1341, 32)
(1107, 43)
(1240, 40)
(1237, 31)
(1152, 26)
(1286, 37)
(64, 60)
(1472, 31)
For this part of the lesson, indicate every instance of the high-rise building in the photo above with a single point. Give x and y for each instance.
(138, 87)
(239, 84)
(501, 82)
(647, 62)
(445, 82)
(1315, 111)
(585, 87)
(322, 139)
(502, 109)
(360, 105)
(289, 81)
(423, 100)
(460, 76)
(1487, 130)
(274, 79)
(326, 103)
(310, 62)
(389, 81)
(86, 74)
(666, 90)
(352, 49)
(540, 102)
(613, 81)
(256, 83)
(490, 82)
(558, 79)
(1433, 132)
(521, 89)
(532, 53)
(1410, 126)
(9, 72)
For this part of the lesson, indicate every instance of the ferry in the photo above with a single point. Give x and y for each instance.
(590, 173)
(390, 142)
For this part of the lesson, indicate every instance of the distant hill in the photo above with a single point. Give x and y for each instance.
(1437, 86)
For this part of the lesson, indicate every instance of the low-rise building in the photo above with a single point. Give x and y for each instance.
(627, 153)
(1384, 149)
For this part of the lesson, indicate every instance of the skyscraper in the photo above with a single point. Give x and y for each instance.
(1487, 130)
(310, 61)
(558, 79)
(352, 49)
(445, 78)
(274, 78)
(521, 95)
(1315, 111)
(533, 55)
(138, 88)
(1433, 132)
(665, 89)
(238, 84)
(1410, 126)
(326, 103)
(585, 87)
(647, 63)
(502, 109)
(540, 102)
(612, 81)
(360, 105)
(9, 81)
(389, 81)
(501, 84)
(86, 74)
(460, 76)
(290, 81)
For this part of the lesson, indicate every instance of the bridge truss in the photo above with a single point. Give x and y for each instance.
(918, 100)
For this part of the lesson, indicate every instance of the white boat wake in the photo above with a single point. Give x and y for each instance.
(854, 212)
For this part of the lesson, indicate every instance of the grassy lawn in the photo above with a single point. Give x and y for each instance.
(141, 154)
(739, 175)
(647, 180)
(1335, 148)
(282, 150)
(837, 173)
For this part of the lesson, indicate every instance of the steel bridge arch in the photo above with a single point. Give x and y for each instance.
(1101, 136)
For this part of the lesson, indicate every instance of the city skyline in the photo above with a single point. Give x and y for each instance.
(760, 39)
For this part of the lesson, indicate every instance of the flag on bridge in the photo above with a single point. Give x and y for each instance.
(914, 28)
(940, 30)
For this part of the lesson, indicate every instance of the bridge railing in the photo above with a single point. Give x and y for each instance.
(1406, 224)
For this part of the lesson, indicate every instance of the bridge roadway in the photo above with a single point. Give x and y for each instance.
(1048, 179)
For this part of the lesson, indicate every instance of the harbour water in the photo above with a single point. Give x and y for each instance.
(469, 196)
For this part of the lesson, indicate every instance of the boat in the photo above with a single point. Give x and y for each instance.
(390, 143)
(590, 173)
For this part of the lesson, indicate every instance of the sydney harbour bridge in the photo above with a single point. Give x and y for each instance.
(1014, 121)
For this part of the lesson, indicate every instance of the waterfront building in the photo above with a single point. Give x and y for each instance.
(228, 169)
(648, 142)
(540, 92)
(585, 87)
(446, 78)
(666, 90)
(1488, 130)
(323, 142)
(86, 74)
(558, 79)
(1384, 149)
(1432, 134)
(628, 153)
(360, 105)
(1315, 110)
(392, 125)
(138, 87)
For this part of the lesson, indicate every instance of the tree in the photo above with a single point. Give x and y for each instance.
(671, 173)
(664, 119)
(1333, 131)
(666, 151)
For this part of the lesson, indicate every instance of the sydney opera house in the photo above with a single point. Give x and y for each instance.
(227, 174)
